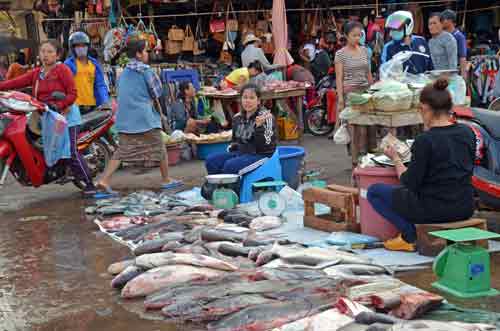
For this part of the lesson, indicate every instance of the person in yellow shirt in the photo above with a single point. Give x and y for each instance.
(91, 87)
(237, 77)
(241, 76)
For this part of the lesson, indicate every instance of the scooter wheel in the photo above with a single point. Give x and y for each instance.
(97, 156)
(316, 122)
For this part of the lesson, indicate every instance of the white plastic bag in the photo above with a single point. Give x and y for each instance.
(342, 136)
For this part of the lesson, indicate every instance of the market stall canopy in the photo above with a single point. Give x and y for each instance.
(280, 34)
(11, 44)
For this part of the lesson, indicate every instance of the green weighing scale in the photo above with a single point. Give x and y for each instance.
(463, 268)
(224, 196)
(271, 203)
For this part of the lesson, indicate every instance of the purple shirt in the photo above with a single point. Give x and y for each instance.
(461, 43)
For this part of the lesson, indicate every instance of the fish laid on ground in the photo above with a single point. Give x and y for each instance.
(367, 290)
(358, 269)
(272, 315)
(214, 245)
(285, 274)
(117, 267)
(233, 250)
(329, 320)
(117, 223)
(149, 261)
(425, 325)
(315, 255)
(265, 257)
(268, 286)
(221, 235)
(133, 233)
(264, 223)
(414, 305)
(171, 246)
(169, 214)
(201, 208)
(213, 310)
(112, 209)
(126, 275)
(154, 246)
(195, 290)
(280, 263)
(194, 248)
(239, 219)
(386, 300)
(154, 279)
(254, 252)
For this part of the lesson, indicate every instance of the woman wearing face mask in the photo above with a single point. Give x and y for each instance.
(400, 25)
(352, 65)
(51, 77)
(436, 186)
(254, 136)
(89, 77)
(443, 45)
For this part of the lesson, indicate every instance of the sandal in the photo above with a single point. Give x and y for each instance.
(104, 192)
(172, 185)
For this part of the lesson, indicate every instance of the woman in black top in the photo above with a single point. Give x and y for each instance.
(254, 136)
(436, 186)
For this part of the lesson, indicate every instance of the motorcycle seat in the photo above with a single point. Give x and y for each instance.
(490, 120)
(93, 119)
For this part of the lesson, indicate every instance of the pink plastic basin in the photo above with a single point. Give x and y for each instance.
(371, 222)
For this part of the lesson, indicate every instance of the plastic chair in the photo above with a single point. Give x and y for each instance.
(267, 168)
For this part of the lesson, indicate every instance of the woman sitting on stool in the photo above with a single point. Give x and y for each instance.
(185, 115)
(436, 186)
(254, 136)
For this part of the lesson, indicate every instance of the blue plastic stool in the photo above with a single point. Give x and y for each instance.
(267, 168)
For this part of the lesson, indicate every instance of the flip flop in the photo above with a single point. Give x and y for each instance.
(105, 192)
(173, 184)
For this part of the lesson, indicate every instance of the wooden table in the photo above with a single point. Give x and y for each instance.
(298, 94)
(360, 140)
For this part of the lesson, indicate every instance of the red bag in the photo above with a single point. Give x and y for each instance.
(217, 24)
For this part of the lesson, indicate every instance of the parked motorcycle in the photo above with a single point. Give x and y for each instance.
(316, 111)
(22, 154)
(486, 126)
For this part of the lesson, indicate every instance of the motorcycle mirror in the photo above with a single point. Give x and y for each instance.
(58, 95)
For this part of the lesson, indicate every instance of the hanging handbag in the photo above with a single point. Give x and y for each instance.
(188, 42)
(173, 47)
(315, 24)
(268, 44)
(228, 41)
(225, 57)
(219, 37)
(200, 43)
(175, 34)
(262, 26)
(217, 25)
(231, 35)
(231, 23)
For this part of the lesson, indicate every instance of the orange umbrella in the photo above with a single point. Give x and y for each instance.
(280, 34)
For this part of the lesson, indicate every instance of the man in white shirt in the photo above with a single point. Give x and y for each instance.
(253, 53)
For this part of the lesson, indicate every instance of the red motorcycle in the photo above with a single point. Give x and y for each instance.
(316, 119)
(22, 154)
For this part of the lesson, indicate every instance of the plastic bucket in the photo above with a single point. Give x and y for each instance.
(371, 222)
(174, 154)
(204, 150)
(291, 160)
